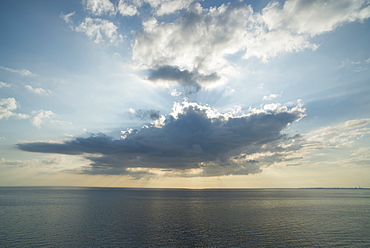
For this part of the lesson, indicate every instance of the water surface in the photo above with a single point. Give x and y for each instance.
(119, 217)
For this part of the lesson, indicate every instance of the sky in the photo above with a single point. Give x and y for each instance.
(185, 94)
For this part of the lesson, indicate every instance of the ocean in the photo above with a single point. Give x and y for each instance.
(122, 217)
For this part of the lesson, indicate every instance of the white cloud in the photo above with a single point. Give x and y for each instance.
(46, 117)
(341, 135)
(314, 17)
(100, 31)
(197, 42)
(4, 85)
(200, 39)
(39, 91)
(127, 8)
(271, 97)
(7, 106)
(40, 117)
(21, 72)
(67, 17)
(99, 7)
(165, 7)
(174, 92)
(354, 66)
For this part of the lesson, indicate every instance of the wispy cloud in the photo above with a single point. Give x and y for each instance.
(7, 107)
(355, 66)
(67, 17)
(30, 163)
(39, 91)
(271, 97)
(21, 72)
(4, 85)
(99, 30)
(341, 135)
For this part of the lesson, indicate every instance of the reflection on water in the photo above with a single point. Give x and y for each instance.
(98, 217)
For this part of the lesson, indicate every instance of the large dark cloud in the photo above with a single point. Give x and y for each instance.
(193, 136)
(190, 80)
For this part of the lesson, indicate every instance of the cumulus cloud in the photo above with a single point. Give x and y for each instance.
(200, 39)
(7, 107)
(196, 42)
(99, 7)
(39, 91)
(193, 140)
(21, 72)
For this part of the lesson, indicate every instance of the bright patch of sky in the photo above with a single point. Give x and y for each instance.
(182, 93)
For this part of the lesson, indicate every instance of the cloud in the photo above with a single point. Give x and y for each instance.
(67, 17)
(160, 7)
(355, 66)
(200, 39)
(21, 72)
(314, 17)
(146, 114)
(193, 140)
(39, 91)
(99, 7)
(271, 97)
(174, 92)
(197, 41)
(316, 148)
(100, 31)
(165, 7)
(128, 8)
(7, 106)
(39, 117)
(341, 135)
(45, 117)
(189, 80)
(30, 163)
(4, 85)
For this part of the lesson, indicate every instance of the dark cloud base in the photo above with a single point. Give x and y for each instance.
(190, 80)
(193, 136)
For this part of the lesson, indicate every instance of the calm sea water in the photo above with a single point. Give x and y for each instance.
(115, 217)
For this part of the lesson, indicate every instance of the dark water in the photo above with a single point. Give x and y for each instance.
(112, 217)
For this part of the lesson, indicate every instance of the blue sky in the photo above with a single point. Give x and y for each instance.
(159, 93)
